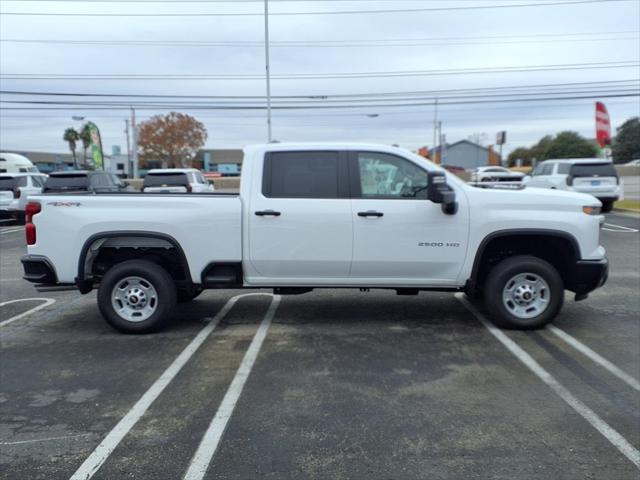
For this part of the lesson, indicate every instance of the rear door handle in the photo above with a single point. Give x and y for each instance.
(370, 213)
(268, 213)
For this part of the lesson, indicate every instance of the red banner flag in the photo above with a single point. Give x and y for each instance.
(603, 126)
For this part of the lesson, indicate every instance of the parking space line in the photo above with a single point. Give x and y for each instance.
(597, 358)
(11, 230)
(585, 412)
(211, 439)
(100, 454)
(47, 302)
(619, 228)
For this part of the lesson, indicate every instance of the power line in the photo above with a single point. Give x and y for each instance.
(315, 44)
(350, 106)
(539, 87)
(335, 12)
(312, 76)
(328, 100)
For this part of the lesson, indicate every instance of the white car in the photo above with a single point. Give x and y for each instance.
(495, 174)
(322, 216)
(15, 163)
(595, 176)
(15, 189)
(176, 180)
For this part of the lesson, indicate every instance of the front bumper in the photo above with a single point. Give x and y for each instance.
(587, 275)
(38, 269)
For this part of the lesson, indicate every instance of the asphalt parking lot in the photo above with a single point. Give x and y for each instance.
(333, 384)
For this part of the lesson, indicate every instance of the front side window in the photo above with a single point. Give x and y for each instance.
(564, 168)
(387, 176)
(301, 175)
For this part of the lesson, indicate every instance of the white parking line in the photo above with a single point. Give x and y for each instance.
(47, 302)
(585, 412)
(11, 230)
(597, 358)
(93, 463)
(211, 439)
(619, 228)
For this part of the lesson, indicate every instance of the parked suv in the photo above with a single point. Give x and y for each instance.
(14, 190)
(176, 180)
(594, 176)
(83, 181)
(495, 174)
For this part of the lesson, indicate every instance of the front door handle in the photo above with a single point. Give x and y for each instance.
(370, 213)
(268, 213)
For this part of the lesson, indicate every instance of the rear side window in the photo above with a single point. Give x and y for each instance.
(593, 170)
(101, 180)
(168, 179)
(7, 183)
(301, 175)
(67, 182)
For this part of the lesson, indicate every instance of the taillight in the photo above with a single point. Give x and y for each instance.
(189, 189)
(16, 193)
(569, 180)
(31, 209)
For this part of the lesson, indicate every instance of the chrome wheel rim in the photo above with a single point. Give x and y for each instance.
(134, 299)
(526, 295)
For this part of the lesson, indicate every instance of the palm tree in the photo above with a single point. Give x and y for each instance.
(71, 136)
(85, 136)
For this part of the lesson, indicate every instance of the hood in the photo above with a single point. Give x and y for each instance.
(533, 198)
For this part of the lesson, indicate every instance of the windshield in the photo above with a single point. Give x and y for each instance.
(66, 182)
(593, 170)
(165, 179)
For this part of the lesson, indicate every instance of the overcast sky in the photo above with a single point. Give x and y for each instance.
(598, 33)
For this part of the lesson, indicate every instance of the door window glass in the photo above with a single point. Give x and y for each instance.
(301, 175)
(387, 176)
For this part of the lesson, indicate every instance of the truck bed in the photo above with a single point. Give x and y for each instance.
(207, 226)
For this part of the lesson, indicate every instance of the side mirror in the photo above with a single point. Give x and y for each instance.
(438, 191)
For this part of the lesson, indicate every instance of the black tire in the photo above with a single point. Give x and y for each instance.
(504, 272)
(607, 206)
(186, 295)
(151, 273)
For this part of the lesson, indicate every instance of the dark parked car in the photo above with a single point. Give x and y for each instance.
(84, 181)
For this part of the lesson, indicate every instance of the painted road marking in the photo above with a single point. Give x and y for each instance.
(619, 228)
(211, 439)
(585, 412)
(47, 302)
(100, 454)
(597, 358)
(48, 439)
(11, 230)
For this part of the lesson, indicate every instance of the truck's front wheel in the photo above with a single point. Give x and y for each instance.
(136, 296)
(523, 292)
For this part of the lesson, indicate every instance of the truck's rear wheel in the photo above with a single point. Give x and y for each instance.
(136, 296)
(524, 292)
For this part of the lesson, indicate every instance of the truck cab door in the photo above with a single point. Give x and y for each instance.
(400, 237)
(300, 226)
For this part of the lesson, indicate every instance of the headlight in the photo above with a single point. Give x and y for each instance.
(590, 210)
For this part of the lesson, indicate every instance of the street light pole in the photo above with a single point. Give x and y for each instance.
(268, 72)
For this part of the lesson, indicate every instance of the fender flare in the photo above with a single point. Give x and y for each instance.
(85, 284)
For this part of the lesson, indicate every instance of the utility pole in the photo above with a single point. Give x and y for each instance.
(440, 140)
(435, 126)
(134, 143)
(268, 72)
(126, 131)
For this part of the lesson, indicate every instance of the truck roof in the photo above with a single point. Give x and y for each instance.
(579, 160)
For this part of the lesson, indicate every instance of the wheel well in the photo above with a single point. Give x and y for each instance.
(559, 250)
(102, 253)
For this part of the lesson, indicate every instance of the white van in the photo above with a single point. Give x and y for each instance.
(15, 163)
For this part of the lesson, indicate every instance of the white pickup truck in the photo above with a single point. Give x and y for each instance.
(323, 215)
